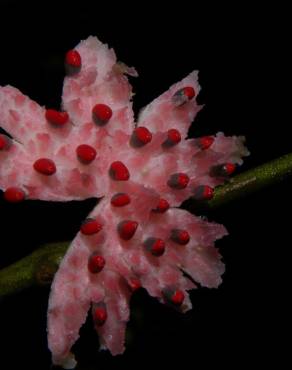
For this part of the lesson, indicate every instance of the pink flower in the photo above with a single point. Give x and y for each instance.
(136, 236)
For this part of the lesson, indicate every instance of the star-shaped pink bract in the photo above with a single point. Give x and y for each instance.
(136, 236)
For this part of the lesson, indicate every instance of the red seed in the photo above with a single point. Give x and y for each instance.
(5, 142)
(134, 284)
(222, 170)
(174, 135)
(14, 194)
(183, 95)
(155, 246)
(205, 142)
(73, 58)
(101, 114)
(162, 206)
(203, 192)
(189, 91)
(177, 297)
(229, 168)
(173, 138)
(45, 166)
(85, 153)
(95, 263)
(99, 314)
(90, 226)
(140, 137)
(119, 172)
(127, 229)
(120, 200)
(178, 181)
(56, 118)
(179, 236)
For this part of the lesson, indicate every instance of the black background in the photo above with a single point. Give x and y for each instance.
(242, 55)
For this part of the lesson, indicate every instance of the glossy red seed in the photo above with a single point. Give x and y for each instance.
(222, 170)
(99, 315)
(120, 200)
(158, 248)
(203, 192)
(189, 91)
(73, 58)
(95, 263)
(56, 118)
(101, 114)
(90, 226)
(14, 194)
(183, 95)
(162, 206)
(178, 181)
(205, 142)
(179, 236)
(5, 142)
(119, 172)
(174, 136)
(134, 284)
(208, 192)
(229, 168)
(155, 246)
(141, 136)
(177, 297)
(45, 166)
(85, 153)
(127, 229)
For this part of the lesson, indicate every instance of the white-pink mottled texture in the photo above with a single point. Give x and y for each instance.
(75, 289)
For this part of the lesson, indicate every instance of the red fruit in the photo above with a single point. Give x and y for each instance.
(173, 138)
(90, 226)
(189, 92)
(119, 172)
(14, 194)
(178, 181)
(141, 136)
(162, 206)
(73, 58)
(222, 170)
(95, 263)
(85, 153)
(5, 142)
(183, 95)
(229, 168)
(155, 246)
(203, 192)
(179, 236)
(127, 229)
(205, 142)
(175, 297)
(99, 314)
(101, 114)
(45, 166)
(134, 284)
(57, 118)
(73, 62)
(120, 200)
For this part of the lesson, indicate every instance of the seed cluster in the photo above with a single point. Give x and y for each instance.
(102, 114)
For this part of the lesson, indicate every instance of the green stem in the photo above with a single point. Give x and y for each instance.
(252, 180)
(36, 269)
(39, 268)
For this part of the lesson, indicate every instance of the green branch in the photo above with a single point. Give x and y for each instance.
(252, 180)
(36, 269)
(39, 268)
